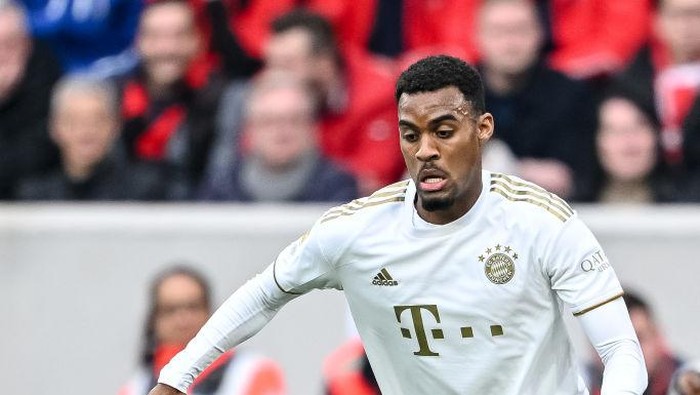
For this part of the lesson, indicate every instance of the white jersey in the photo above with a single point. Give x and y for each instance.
(471, 307)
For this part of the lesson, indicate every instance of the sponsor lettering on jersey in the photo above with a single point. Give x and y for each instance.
(595, 262)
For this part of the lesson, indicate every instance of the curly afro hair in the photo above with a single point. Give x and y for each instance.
(436, 72)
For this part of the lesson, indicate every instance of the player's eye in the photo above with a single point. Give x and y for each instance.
(444, 133)
(409, 136)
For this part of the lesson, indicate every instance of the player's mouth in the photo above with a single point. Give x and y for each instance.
(432, 180)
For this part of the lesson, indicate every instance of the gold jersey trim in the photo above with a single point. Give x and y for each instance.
(274, 276)
(530, 193)
(392, 193)
(350, 211)
(606, 301)
(535, 188)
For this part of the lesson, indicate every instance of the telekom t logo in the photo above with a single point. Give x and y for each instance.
(419, 327)
(421, 311)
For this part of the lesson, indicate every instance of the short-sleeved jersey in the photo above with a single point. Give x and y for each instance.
(471, 307)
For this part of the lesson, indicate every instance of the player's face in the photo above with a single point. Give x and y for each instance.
(441, 140)
(181, 310)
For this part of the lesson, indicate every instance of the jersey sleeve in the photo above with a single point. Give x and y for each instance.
(305, 264)
(579, 270)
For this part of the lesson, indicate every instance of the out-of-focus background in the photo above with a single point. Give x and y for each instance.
(138, 135)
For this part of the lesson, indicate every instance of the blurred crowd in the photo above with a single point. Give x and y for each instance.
(289, 100)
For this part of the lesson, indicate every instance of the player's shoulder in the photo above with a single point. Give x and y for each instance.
(527, 200)
(376, 204)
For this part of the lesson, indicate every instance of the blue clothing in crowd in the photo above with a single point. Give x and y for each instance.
(87, 35)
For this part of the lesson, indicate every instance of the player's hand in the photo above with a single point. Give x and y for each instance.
(162, 389)
(689, 383)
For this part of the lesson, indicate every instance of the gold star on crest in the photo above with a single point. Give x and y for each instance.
(498, 247)
(488, 250)
(515, 255)
(481, 258)
(507, 249)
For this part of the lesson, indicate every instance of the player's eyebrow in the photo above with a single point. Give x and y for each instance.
(442, 118)
(408, 124)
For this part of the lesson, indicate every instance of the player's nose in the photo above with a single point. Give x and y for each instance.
(427, 149)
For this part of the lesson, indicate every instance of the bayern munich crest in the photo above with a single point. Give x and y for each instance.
(499, 263)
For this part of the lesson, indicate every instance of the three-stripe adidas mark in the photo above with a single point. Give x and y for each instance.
(384, 278)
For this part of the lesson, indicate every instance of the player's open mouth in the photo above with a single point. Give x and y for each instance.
(432, 180)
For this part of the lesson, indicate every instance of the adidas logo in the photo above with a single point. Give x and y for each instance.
(384, 278)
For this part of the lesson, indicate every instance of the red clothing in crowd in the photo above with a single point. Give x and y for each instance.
(586, 34)
(675, 88)
(343, 371)
(426, 23)
(350, 383)
(363, 134)
(594, 36)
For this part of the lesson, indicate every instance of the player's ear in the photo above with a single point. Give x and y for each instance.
(485, 125)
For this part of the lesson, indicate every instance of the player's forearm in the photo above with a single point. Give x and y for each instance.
(625, 372)
(240, 317)
(609, 329)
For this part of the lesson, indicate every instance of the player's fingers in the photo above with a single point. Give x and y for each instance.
(694, 382)
(689, 383)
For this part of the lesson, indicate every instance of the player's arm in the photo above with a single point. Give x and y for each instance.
(582, 276)
(610, 330)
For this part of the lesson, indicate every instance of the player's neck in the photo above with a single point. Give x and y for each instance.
(457, 210)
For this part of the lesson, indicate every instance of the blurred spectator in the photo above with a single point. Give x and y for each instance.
(686, 381)
(27, 74)
(281, 160)
(347, 371)
(666, 72)
(358, 114)
(546, 118)
(88, 35)
(170, 103)
(628, 147)
(180, 304)
(660, 362)
(84, 124)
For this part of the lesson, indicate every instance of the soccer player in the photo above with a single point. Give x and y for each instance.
(458, 279)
